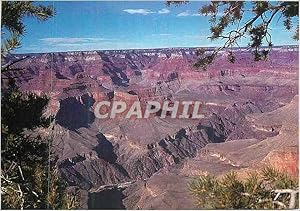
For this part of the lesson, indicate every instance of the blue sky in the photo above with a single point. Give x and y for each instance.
(124, 25)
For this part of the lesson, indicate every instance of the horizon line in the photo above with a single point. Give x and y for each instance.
(139, 49)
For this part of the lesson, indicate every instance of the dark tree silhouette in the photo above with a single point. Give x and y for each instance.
(29, 177)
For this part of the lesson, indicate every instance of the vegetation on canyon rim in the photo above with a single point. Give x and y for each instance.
(267, 189)
(26, 174)
(28, 178)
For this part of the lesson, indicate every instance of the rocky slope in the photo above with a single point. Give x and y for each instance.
(168, 188)
(249, 120)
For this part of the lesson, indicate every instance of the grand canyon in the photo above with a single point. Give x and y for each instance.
(250, 120)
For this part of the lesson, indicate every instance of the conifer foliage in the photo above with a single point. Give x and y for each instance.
(29, 177)
(13, 28)
(268, 189)
(24, 159)
(13, 13)
(232, 21)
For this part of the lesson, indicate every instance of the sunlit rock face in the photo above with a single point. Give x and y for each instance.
(286, 160)
(249, 109)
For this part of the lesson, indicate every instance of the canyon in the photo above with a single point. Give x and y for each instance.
(249, 120)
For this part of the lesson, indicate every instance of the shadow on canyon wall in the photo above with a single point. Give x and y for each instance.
(107, 199)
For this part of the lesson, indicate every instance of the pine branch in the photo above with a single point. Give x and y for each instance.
(6, 67)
